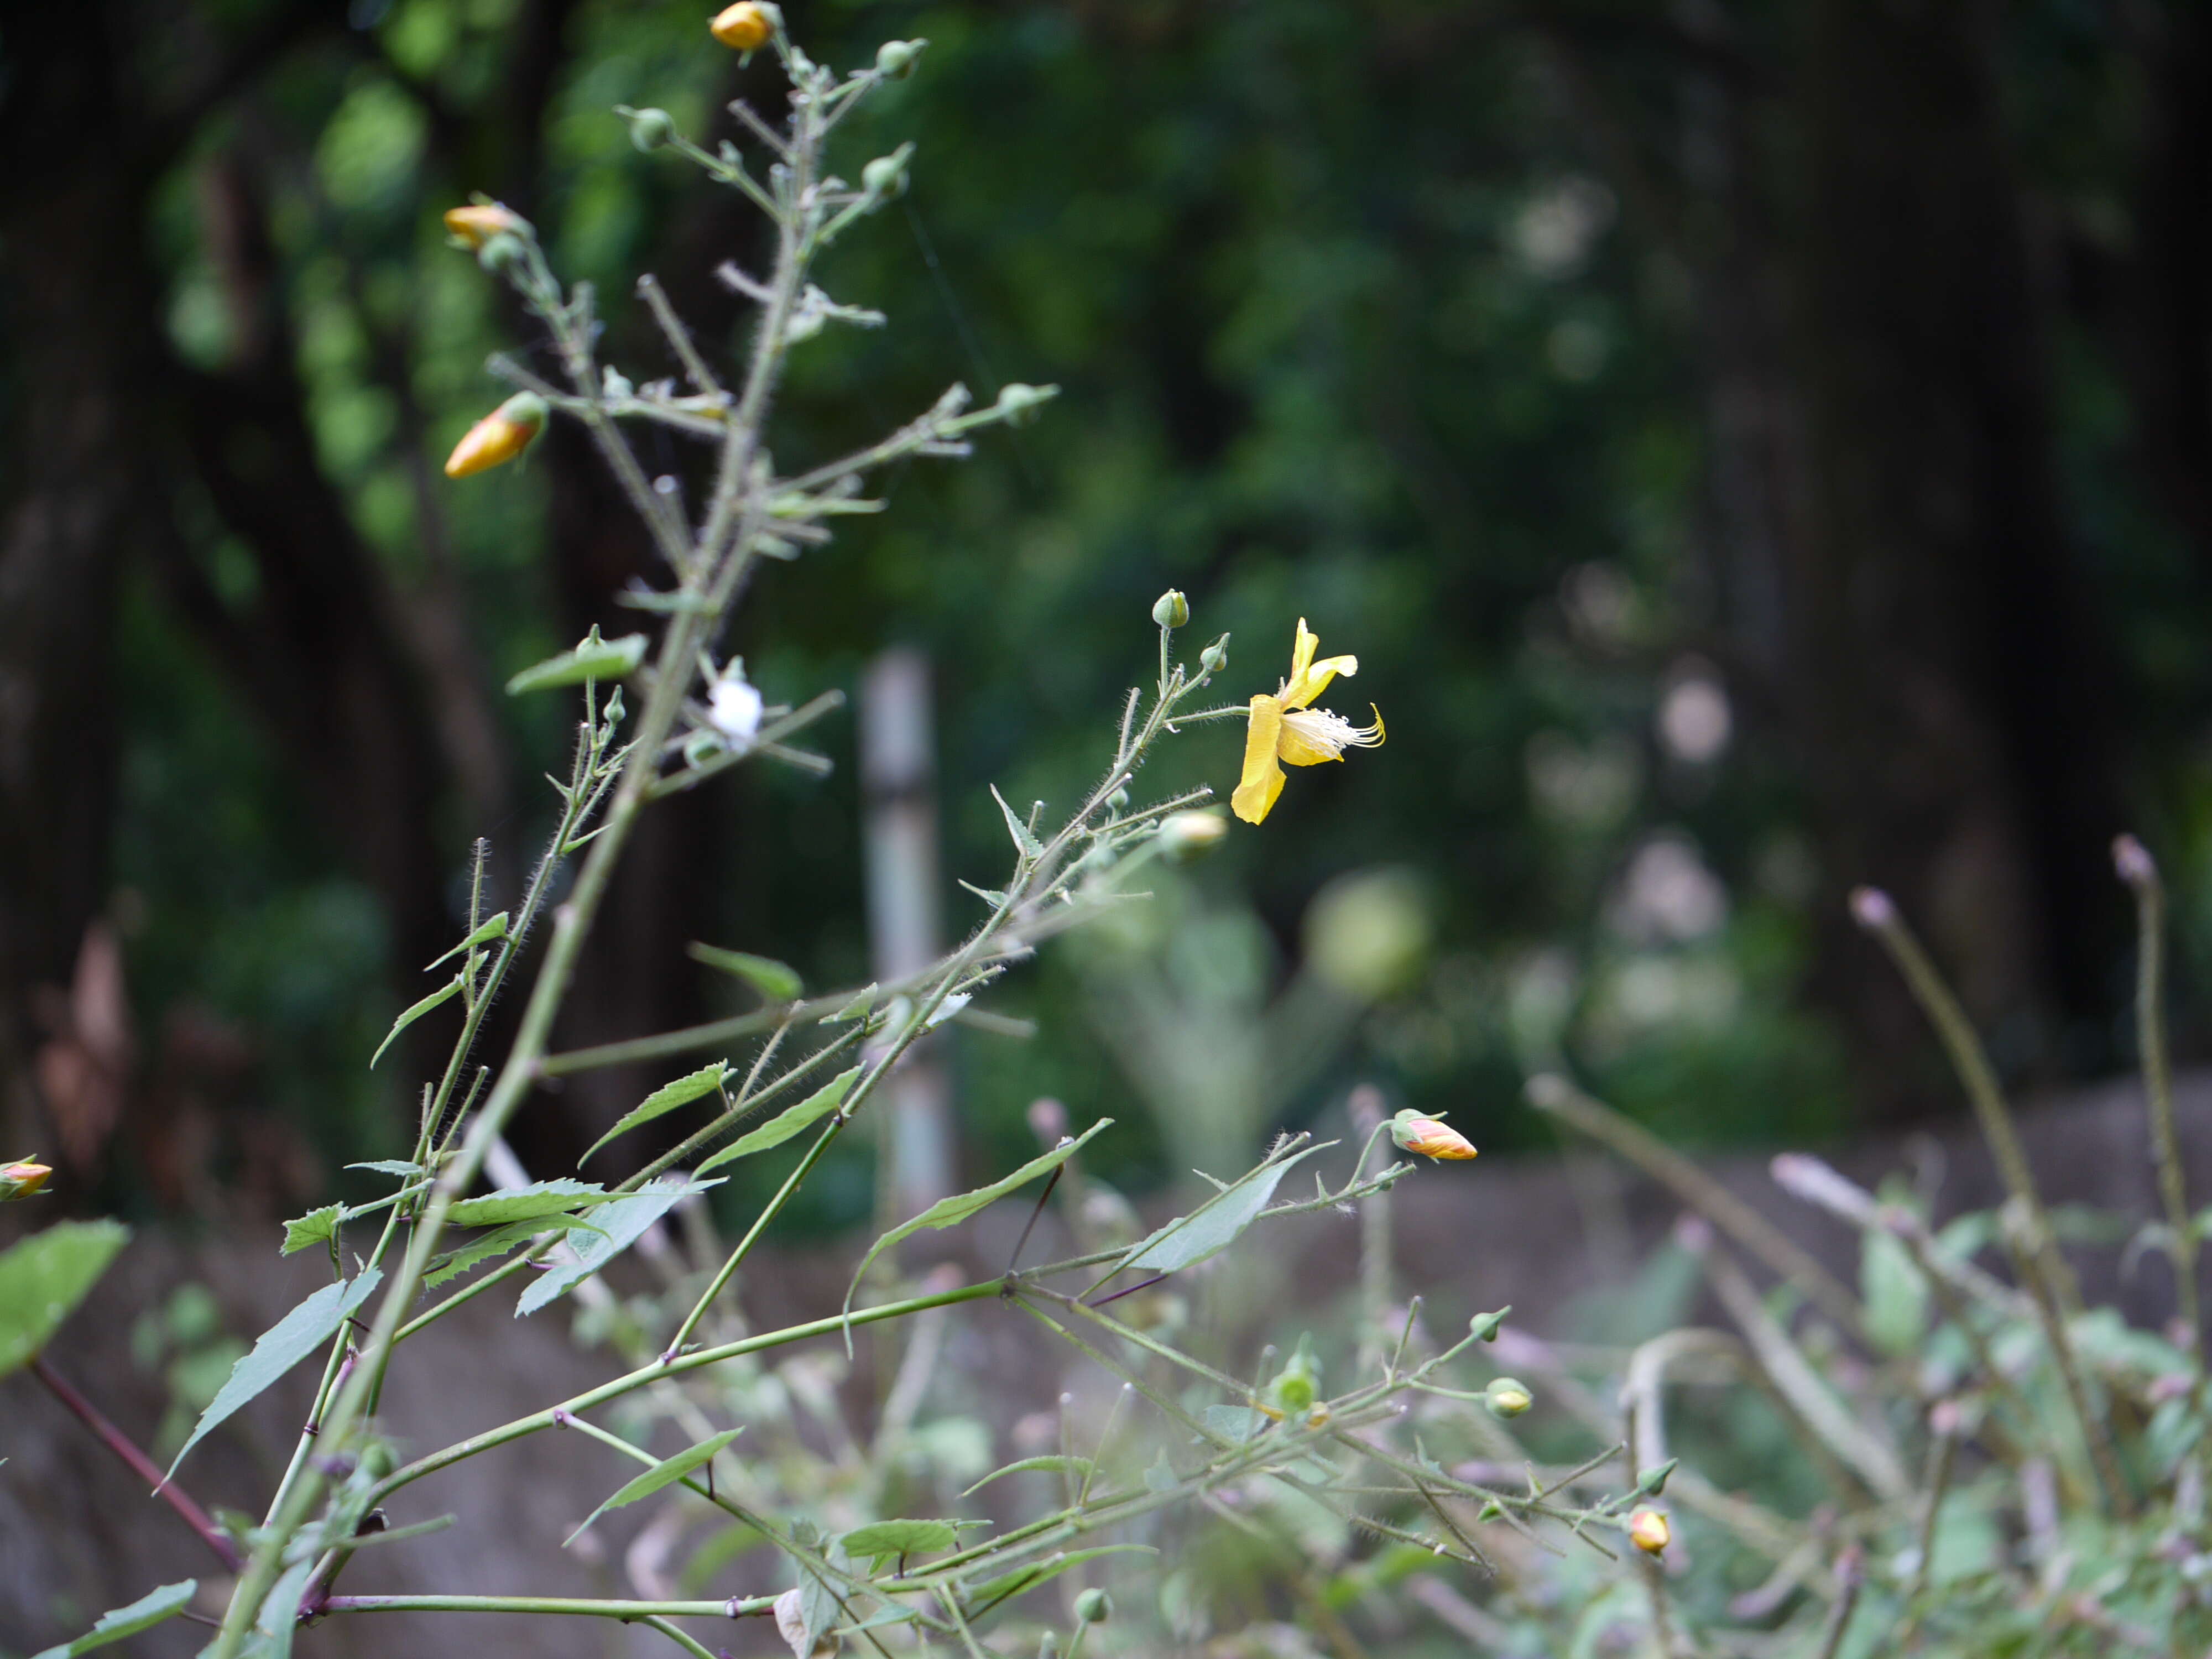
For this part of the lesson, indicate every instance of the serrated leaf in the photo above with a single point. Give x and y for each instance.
(392, 1166)
(413, 1014)
(1215, 1224)
(682, 1091)
(882, 1538)
(863, 1000)
(1025, 844)
(44, 1277)
(990, 895)
(495, 928)
(949, 1211)
(818, 1604)
(453, 1263)
(621, 1224)
(593, 660)
(666, 1473)
(280, 1347)
(772, 979)
(316, 1227)
(1236, 1423)
(148, 1611)
(540, 1198)
(1081, 1468)
(1023, 1580)
(785, 1123)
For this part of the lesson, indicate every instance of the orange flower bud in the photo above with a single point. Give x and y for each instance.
(1431, 1137)
(744, 27)
(478, 222)
(22, 1179)
(499, 437)
(1649, 1531)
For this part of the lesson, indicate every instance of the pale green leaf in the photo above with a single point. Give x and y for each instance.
(316, 1227)
(785, 1123)
(149, 1610)
(540, 1198)
(1236, 1423)
(453, 1263)
(666, 1473)
(391, 1166)
(281, 1346)
(446, 995)
(621, 1224)
(494, 929)
(949, 1211)
(1023, 1580)
(593, 660)
(1025, 844)
(771, 978)
(666, 1098)
(1215, 1224)
(44, 1277)
(882, 1538)
(1078, 1467)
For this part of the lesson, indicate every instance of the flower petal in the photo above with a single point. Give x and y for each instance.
(1314, 679)
(1263, 774)
(1296, 749)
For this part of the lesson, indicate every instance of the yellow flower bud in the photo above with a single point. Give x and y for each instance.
(21, 1180)
(745, 27)
(1507, 1398)
(499, 437)
(1416, 1132)
(1187, 835)
(1649, 1531)
(478, 222)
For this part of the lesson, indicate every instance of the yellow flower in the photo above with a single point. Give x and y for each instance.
(478, 222)
(21, 1180)
(744, 27)
(499, 437)
(1649, 1531)
(1420, 1132)
(1285, 730)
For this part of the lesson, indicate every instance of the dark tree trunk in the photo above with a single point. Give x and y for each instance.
(1951, 696)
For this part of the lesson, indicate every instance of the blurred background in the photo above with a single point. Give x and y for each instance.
(1753, 449)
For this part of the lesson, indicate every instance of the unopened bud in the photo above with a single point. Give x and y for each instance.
(1171, 610)
(1094, 1607)
(1215, 657)
(1873, 909)
(1649, 1531)
(1507, 1398)
(1187, 835)
(24, 1178)
(885, 176)
(1653, 1481)
(502, 253)
(478, 222)
(1018, 404)
(1490, 1511)
(1426, 1132)
(499, 437)
(2133, 862)
(895, 59)
(745, 27)
(1483, 1327)
(1298, 1385)
(1119, 800)
(649, 129)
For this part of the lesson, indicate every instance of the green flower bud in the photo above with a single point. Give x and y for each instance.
(1484, 1327)
(1299, 1384)
(1018, 404)
(1094, 1607)
(1119, 800)
(1215, 657)
(895, 59)
(1506, 1398)
(885, 176)
(1171, 610)
(649, 129)
(502, 253)
(1653, 1481)
(1490, 1511)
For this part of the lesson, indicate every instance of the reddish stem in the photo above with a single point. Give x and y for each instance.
(120, 1444)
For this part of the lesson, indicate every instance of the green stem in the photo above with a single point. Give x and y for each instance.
(2137, 869)
(570, 1606)
(773, 1208)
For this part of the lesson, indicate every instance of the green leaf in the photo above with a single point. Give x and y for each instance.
(392, 1166)
(1023, 1580)
(278, 1620)
(495, 928)
(281, 1346)
(44, 1277)
(990, 895)
(594, 658)
(785, 1123)
(1215, 1224)
(453, 1263)
(948, 1211)
(540, 1198)
(1078, 1467)
(316, 1227)
(622, 1223)
(882, 1538)
(148, 1611)
(666, 1473)
(1234, 1423)
(771, 978)
(817, 1603)
(446, 995)
(1024, 843)
(1895, 1294)
(666, 1098)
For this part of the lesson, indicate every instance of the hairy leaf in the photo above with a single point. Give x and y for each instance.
(494, 929)
(316, 1227)
(281, 1346)
(593, 660)
(1081, 1468)
(453, 1263)
(44, 1277)
(1025, 844)
(447, 994)
(666, 1473)
(785, 1123)
(682, 1091)
(540, 1198)
(882, 1538)
(621, 1224)
(771, 978)
(1215, 1224)
(149, 1610)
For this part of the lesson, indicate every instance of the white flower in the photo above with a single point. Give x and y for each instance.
(733, 707)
